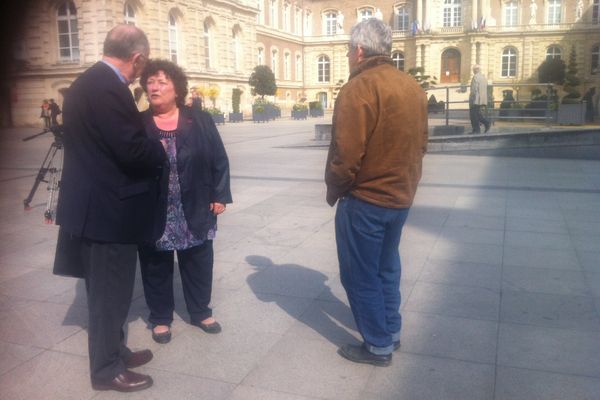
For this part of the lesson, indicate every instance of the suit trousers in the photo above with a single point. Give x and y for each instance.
(196, 270)
(367, 238)
(109, 280)
(477, 118)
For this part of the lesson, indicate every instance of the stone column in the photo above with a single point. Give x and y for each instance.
(419, 13)
(418, 56)
(474, 15)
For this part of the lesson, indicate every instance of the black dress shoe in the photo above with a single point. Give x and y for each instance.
(360, 354)
(138, 358)
(163, 337)
(215, 327)
(127, 381)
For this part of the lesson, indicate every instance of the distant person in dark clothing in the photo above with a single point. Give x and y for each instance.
(54, 112)
(589, 105)
(45, 113)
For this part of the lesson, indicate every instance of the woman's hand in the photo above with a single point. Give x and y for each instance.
(217, 208)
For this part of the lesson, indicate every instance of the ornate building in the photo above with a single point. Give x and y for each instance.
(218, 42)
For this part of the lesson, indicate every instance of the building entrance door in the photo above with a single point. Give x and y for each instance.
(450, 66)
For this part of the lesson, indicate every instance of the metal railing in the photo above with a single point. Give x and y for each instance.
(514, 102)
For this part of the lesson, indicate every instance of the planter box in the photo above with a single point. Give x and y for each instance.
(218, 118)
(259, 116)
(300, 114)
(316, 113)
(571, 114)
(236, 117)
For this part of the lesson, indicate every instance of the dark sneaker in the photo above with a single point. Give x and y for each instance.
(360, 354)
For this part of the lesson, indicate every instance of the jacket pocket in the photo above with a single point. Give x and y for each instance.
(133, 190)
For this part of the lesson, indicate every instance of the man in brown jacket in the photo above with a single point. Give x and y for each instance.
(373, 167)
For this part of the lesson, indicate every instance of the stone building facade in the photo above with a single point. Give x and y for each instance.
(219, 42)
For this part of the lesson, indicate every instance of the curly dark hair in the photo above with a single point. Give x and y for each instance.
(172, 71)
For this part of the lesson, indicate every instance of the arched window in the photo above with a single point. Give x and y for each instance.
(298, 67)
(308, 23)
(553, 52)
(68, 35)
(511, 13)
(298, 20)
(596, 12)
(260, 56)
(260, 16)
(365, 13)
(452, 13)
(275, 62)
(554, 11)
(509, 62)
(398, 59)
(129, 14)
(173, 39)
(323, 69)
(402, 18)
(286, 16)
(330, 23)
(208, 44)
(236, 48)
(286, 66)
(273, 13)
(595, 59)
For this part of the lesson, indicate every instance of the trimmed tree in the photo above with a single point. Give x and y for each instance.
(552, 70)
(236, 96)
(262, 81)
(571, 79)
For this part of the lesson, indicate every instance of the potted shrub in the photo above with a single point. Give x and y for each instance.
(236, 115)
(315, 109)
(434, 106)
(258, 112)
(571, 109)
(217, 115)
(299, 111)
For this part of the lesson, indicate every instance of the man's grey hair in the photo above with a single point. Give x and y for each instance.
(373, 35)
(123, 41)
(476, 68)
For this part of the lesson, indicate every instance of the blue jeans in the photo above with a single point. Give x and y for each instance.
(367, 238)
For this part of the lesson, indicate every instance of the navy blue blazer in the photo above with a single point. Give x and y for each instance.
(203, 169)
(109, 184)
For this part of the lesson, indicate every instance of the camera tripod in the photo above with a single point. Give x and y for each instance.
(50, 173)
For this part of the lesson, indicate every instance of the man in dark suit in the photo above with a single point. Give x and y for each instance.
(108, 193)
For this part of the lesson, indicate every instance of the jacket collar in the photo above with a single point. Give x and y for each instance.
(370, 62)
(184, 125)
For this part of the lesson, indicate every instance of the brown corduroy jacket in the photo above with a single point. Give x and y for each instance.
(379, 136)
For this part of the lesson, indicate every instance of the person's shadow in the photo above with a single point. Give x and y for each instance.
(327, 315)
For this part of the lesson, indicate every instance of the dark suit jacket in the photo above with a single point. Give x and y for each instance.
(203, 169)
(109, 184)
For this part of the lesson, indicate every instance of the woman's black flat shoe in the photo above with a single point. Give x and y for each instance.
(215, 327)
(163, 337)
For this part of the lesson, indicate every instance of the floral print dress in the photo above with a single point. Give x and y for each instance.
(177, 235)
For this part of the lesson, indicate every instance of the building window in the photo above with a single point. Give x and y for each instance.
(260, 57)
(68, 34)
(511, 16)
(365, 13)
(237, 49)
(129, 13)
(452, 13)
(509, 62)
(172, 38)
(308, 23)
(595, 60)
(398, 59)
(273, 13)
(553, 52)
(207, 45)
(286, 16)
(323, 69)
(554, 11)
(286, 66)
(330, 18)
(596, 12)
(402, 19)
(298, 67)
(260, 16)
(298, 20)
(274, 62)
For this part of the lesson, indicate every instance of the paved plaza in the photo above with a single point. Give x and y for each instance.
(500, 285)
